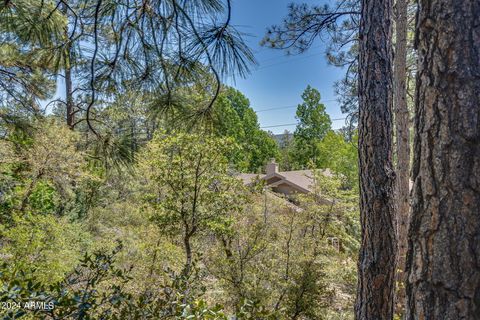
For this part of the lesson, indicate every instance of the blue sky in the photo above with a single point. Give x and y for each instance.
(279, 80)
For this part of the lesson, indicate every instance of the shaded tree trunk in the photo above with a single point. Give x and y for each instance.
(68, 75)
(443, 262)
(68, 92)
(376, 265)
(402, 169)
(188, 253)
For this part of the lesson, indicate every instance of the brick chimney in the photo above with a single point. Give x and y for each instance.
(272, 167)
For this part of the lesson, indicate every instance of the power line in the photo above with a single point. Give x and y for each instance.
(294, 124)
(287, 61)
(260, 67)
(276, 108)
(279, 125)
(287, 107)
(285, 57)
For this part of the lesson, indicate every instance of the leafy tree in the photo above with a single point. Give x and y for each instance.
(53, 245)
(263, 147)
(189, 189)
(314, 123)
(333, 210)
(38, 201)
(227, 123)
(286, 145)
(258, 146)
(45, 163)
(341, 157)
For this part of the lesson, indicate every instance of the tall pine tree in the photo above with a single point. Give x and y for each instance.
(443, 262)
(376, 265)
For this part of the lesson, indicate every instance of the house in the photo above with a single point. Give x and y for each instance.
(284, 182)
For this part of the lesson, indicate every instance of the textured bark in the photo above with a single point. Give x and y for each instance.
(443, 262)
(68, 75)
(376, 266)
(402, 169)
(68, 92)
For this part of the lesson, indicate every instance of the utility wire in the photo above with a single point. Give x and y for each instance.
(283, 56)
(294, 124)
(287, 107)
(260, 67)
(280, 125)
(287, 61)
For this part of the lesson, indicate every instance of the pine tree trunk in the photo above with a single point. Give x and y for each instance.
(68, 75)
(68, 93)
(402, 170)
(376, 266)
(443, 262)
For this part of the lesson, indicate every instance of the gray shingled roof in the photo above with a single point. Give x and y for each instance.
(249, 177)
(301, 178)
